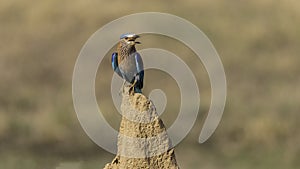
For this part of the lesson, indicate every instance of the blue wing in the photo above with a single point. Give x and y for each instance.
(140, 71)
(114, 63)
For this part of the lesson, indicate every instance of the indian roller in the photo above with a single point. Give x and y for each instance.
(127, 62)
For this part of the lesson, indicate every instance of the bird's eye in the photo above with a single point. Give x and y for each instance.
(126, 38)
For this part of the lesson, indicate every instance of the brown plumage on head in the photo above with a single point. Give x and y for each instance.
(126, 45)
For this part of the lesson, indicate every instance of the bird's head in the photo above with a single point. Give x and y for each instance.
(128, 41)
(129, 38)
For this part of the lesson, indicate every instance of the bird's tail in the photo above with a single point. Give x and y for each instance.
(137, 90)
(138, 86)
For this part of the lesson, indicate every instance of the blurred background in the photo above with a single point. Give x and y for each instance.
(259, 45)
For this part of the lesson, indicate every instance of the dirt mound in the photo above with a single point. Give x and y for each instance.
(142, 141)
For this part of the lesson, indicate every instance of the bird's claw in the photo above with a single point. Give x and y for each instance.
(131, 89)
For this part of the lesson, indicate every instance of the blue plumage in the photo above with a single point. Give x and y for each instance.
(114, 63)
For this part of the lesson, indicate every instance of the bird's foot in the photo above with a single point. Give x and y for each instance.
(132, 86)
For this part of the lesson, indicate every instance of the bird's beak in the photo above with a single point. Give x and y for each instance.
(131, 40)
(135, 37)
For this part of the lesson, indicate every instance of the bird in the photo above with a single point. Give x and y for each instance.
(128, 63)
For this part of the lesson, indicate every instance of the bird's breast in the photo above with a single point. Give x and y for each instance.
(128, 67)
